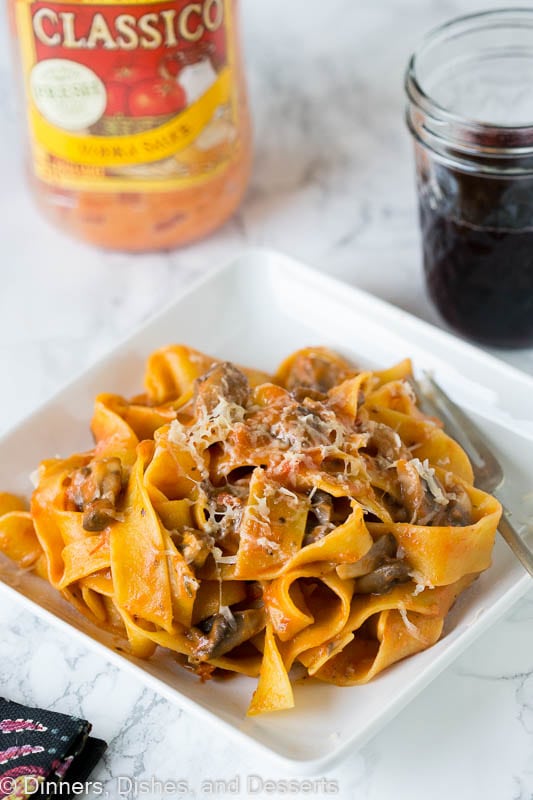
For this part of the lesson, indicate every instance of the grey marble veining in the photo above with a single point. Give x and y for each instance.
(333, 185)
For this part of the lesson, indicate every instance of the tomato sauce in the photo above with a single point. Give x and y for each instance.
(138, 117)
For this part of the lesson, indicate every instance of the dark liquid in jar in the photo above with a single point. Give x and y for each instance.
(478, 256)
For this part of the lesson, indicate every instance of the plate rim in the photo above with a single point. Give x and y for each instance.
(273, 261)
(236, 264)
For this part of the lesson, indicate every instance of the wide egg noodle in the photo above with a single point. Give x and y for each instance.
(139, 560)
(55, 525)
(274, 689)
(328, 599)
(18, 540)
(256, 534)
(271, 531)
(172, 371)
(442, 554)
(404, 624)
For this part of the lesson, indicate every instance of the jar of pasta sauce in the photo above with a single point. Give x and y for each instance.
(138, 118)
(470, 91)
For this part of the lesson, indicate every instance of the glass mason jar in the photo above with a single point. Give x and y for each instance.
(470, 111)
(138, 117)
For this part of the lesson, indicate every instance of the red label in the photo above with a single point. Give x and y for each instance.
(138, 51)
(143, 92)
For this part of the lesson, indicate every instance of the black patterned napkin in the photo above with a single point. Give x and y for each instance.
(42, 751)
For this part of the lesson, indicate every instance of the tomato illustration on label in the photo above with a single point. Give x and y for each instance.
(129, 75)
(130, 90)
(141, 99)
(117, 95)
(154, 97)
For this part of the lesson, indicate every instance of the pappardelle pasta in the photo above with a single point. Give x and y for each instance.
(252, 523)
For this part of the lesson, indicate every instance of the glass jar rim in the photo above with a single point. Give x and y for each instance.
(413, 86)
(458, 139)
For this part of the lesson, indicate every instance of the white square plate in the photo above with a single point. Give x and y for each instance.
(256, 311)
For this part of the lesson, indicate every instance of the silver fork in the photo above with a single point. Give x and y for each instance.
(488, 473)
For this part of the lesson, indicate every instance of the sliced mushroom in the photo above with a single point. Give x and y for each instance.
(383, 548)
(194, 545)
(383, 578)
(95, 489)
(458, 512)
(228, 511)
(98, 516)
(385, 442)
(317, 533)
(319, 522)
(423, 505)
(301, 393)
(222, 633)
(322, 507)
(460, 509)
(222, 381)
(317, 372)
(379, 570)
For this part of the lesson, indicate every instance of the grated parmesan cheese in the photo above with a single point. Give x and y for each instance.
(267, 544)
(421, 583)
(183, 438)
(228, 616)
(427, 474)
(411, 627)
(291, 495)
(260, 509)
(309, 429)
(210, 427)
(227, 413)
(222, 559)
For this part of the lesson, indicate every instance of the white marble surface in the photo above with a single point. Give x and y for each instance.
(333, 185)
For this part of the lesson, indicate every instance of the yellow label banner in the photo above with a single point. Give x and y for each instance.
(137, 148)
